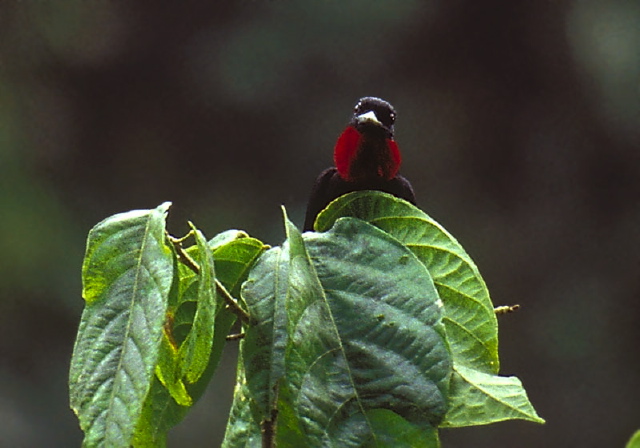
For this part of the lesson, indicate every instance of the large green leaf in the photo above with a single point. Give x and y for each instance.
(233, 254)
(472, 329)
(127, 273)
(387, 314)
(348, 327)
(478, 398)
(262, 351)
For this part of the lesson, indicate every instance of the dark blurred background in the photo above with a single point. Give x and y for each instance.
(520, 129)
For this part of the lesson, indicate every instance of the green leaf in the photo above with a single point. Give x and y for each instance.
(169, 372)
(186, 345)
(195, 350)
(233, 261)
(394, 431)
(635, 441)
(235, 258)
(159, 413)
(262, 351)
(233, 253)
(387, 314)
(264, 343)
(126, 274)
(183, 304)
(348, 322)
(227, 237)
(243, 430)
(478, 398)
(471, 325)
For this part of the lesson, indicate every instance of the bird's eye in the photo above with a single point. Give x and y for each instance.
(392, 117)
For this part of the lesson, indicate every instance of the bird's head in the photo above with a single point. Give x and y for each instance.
(372, 114)
(366, 149)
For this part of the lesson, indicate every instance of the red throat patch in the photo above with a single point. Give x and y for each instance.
(346, 151)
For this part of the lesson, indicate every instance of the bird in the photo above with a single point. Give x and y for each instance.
(366, 157)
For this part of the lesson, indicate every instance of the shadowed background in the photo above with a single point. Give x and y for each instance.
(519, 124)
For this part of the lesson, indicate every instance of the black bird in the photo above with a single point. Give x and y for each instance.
(366, 157)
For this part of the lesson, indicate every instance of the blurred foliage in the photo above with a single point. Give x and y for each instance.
(518, 123)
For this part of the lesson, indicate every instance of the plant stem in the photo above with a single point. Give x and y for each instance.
(232, 303)
(235, 337)
(506, 309)
(268, 426)
(189, 262)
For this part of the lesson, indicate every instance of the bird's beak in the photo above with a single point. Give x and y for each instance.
(369, 117)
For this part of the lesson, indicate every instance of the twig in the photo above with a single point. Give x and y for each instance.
(184, 257)
(180, 240)
(232, 303)
(506, 309)
(235, 336)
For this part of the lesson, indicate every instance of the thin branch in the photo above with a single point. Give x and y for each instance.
(506, 309)
(180, 240)
(184, 257)
(232, 303)
(189, 262)
(235, 336)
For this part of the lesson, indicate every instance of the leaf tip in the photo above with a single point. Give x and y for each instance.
(284, 212)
